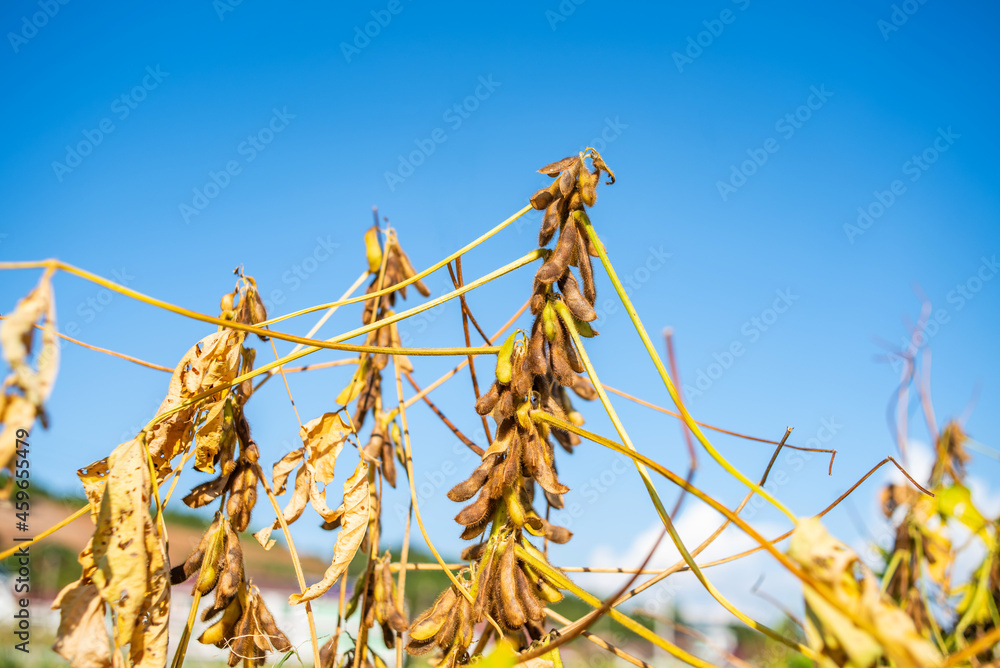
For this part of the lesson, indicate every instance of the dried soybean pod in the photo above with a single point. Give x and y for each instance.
(588, 186)
(550, 222)
(388, 463)
(242, 642)
(543, 197)
(474, 530)
(575, 301)
(277, 639)
(567, 180)
(489, 400)
(505, 407)
(560, 359)
(559, 260)
(231, 576)
(182, 572)
(553, 168)
(528, 597)
(473, 552)
(446, 634)
(213, 562)
(487, 570)
(464, 491)
(478, 511)
(426, 626)
(537, 363)
(555, 533)
(514, 615)
(538, 466)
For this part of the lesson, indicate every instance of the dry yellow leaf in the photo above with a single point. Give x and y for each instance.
(357, 508)
(324, 438)
(17, 331)
(150, 636)
(119, 545)
(82, 638)
(841, 639)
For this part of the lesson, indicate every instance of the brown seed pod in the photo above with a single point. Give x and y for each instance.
(446, 634)
(550, 221)
(583, 389)
(555, 533)
(388, 462)
(182, 572)
(489, 400)
(528, 596)
(464, 491)
(587, 276)
(574, 300)
(537, 465)
(409, 272)
(559, 260)
(426, 626)
(543, 197)
(522, 378)
(512, 612)
(553, 169)
(505, 406)
(538, 365)
(241, 645)
(213, 563)
(588, 186)
(558, 352)
(475, 530)
(231, 575)
(242, 495)
(278, 640)
(480, 510)
(487, 571)
(474, 552)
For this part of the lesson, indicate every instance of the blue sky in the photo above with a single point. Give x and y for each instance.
(817, 160)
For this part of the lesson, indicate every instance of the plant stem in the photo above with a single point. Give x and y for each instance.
(295, 558)
(688, 420)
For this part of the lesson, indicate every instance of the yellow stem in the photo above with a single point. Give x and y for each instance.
(569, 321)
(407, 453)
(48, 532)
(674, 395)
(563, 582)
(397, 286)
(295, 559)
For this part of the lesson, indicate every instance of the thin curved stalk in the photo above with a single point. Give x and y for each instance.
(674, 395)
(413, 279)
(568, 320)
